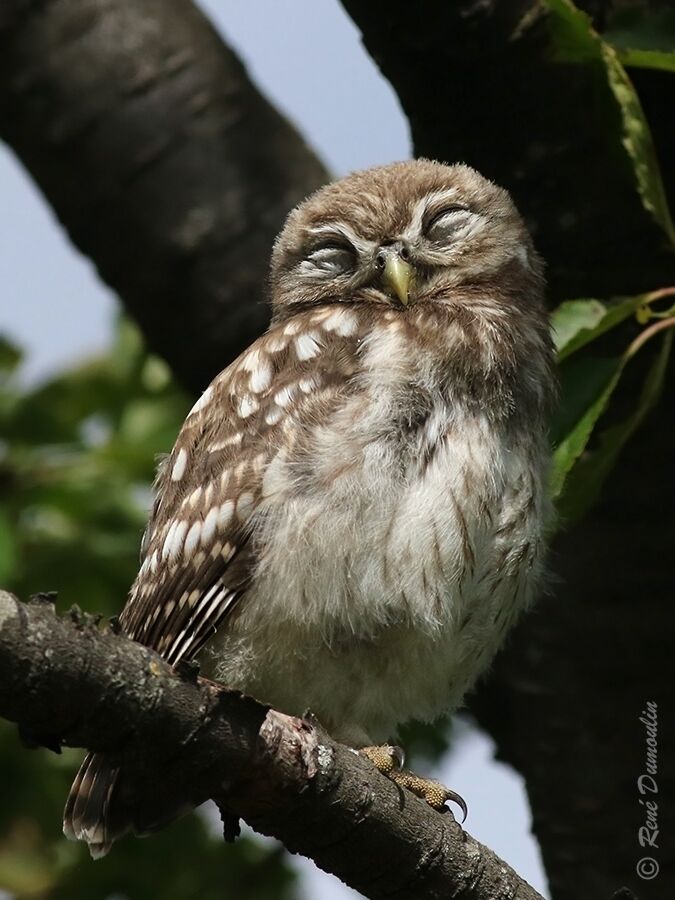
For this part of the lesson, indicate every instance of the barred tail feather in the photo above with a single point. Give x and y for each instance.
(87, 813)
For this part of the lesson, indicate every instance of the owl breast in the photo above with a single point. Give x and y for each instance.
(397, 542)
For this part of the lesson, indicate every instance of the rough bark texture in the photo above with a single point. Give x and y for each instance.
(181, 740)
(564, 700)
(160, 158)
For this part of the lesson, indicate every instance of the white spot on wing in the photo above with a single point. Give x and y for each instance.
(203, 400)
(341, 321)
(284, 396)
(209, 526)
(251, 360)
(193, 499)
(277, 343)
(225, 513)
(179, 466)
(166, 547)
(173, 542)
(244, 505)
(247, 406)
(273, 415)
(228, 442)
(275, 480)
(292, 327)
(307, 346)
(228, 552)
(307, 385)
(192, 538)
(261, 377)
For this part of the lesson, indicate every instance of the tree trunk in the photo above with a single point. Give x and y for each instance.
(160, 158)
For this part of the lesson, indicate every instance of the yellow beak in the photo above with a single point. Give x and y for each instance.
(397, 275)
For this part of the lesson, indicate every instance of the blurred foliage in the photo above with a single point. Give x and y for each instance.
(77, 457)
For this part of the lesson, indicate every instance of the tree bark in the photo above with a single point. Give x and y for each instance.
(180, 740)
(160, 158)
(478, 83)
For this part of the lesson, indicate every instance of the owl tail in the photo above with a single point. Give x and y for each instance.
(87, 813)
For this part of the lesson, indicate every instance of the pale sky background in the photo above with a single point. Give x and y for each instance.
(308, 59)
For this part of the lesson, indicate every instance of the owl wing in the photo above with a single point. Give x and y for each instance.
(197, 555)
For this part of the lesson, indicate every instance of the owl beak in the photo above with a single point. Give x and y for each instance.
(397, 275)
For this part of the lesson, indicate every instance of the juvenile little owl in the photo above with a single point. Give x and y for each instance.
(352, 516)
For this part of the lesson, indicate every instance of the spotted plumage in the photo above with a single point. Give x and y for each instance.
(352, 516)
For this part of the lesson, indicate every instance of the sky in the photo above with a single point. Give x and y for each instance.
(308, 59)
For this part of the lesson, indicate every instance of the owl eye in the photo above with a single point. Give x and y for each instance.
(332, 258)
(446, 222)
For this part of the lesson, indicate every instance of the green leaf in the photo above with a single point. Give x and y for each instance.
(575, 40)
(585, 483)
(582, 379)
(663, 60)
(577, 322)
(574, 443)
(637, 139)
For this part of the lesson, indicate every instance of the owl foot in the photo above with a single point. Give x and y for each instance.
(389, 760)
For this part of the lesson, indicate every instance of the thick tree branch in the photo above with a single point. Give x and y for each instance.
(181, 740)
(160, 158)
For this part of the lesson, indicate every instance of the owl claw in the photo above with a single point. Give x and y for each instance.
(389, 760)
(454, 797)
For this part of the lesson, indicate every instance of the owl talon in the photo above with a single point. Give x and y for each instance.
(389, 760)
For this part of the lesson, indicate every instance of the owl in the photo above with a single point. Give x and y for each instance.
(353, 514)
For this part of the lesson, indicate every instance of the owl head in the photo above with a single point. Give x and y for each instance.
(402, 234)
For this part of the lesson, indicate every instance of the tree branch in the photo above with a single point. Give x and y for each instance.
(181, 740)
(163, 162)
